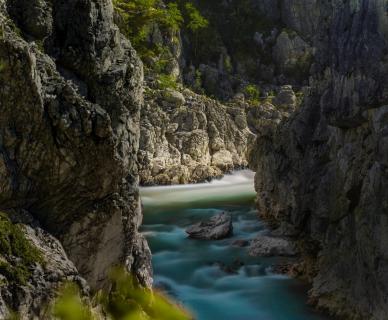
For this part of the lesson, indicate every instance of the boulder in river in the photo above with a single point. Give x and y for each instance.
(240, 243)
(267, 246)
(218, 227)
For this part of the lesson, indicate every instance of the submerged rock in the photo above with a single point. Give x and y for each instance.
(268, 246)
(232, 268)
(218, 227)
(240, 243)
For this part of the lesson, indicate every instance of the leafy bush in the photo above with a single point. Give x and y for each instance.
(138, 17)
(125, 301)
(196, 21)
(69, 305)
(166, 81)
(252, 93)
(13, 244)
(129, 301)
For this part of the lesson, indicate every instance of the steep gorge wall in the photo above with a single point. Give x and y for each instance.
(70, 98)
(189, 138)
(322, 177)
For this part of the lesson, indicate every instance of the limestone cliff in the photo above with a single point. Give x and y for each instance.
(322, 176)
(70, 97)
(186, 137)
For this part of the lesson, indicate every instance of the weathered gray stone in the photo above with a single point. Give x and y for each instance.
(269, 246)
(322, 175)
(285, 99)
(174, 97)
(70, 158)
(218, 227)
(201, 140)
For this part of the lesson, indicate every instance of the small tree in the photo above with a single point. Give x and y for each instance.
(139, 16)
(252, 93)
(196, 20)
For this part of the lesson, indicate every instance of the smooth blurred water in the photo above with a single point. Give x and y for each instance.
(243, 288)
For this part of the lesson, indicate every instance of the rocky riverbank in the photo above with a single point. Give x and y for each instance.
(322, 176)
(70, 97)
(73, 116)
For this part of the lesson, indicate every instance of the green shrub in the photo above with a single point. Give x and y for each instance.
(69, 305)
(139, 16)
(13, 244)
(126, 300)
(166, 81)
(195, 20)
(172, 18)
(252, 93)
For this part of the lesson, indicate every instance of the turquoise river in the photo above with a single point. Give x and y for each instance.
(215, 280)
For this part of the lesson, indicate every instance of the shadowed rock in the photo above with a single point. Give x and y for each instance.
(218, 227)
(267, 246)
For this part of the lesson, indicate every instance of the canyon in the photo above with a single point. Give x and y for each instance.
(294, 89)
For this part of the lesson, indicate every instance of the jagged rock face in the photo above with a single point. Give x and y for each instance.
(322, 176)
(33, 299)
(187, 137)
(250, 41)
(69, 131)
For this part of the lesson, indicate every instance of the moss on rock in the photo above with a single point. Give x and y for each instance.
(18, 255)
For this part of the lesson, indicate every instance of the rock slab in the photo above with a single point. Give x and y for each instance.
(218, 227)
(268, 246)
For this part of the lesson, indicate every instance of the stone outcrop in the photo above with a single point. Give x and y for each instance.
(70, 97)
(322, 175)
(47, 275)
(186, 137)
(269, 246)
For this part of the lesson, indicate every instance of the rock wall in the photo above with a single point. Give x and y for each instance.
(70, 97)
(186, 137)
(262, 42)
(322, 176)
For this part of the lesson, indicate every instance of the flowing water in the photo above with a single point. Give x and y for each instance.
(213, 279)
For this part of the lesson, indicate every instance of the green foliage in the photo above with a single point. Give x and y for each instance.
(69, 305)
(196, 21)
(139, 17)
(172, 17)
(253, 94)
(13, 316)
(125, 301)
(13, 244)
(128, 300)
(228, 64)
(40, 45)
(3, 65)
(166, 81)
